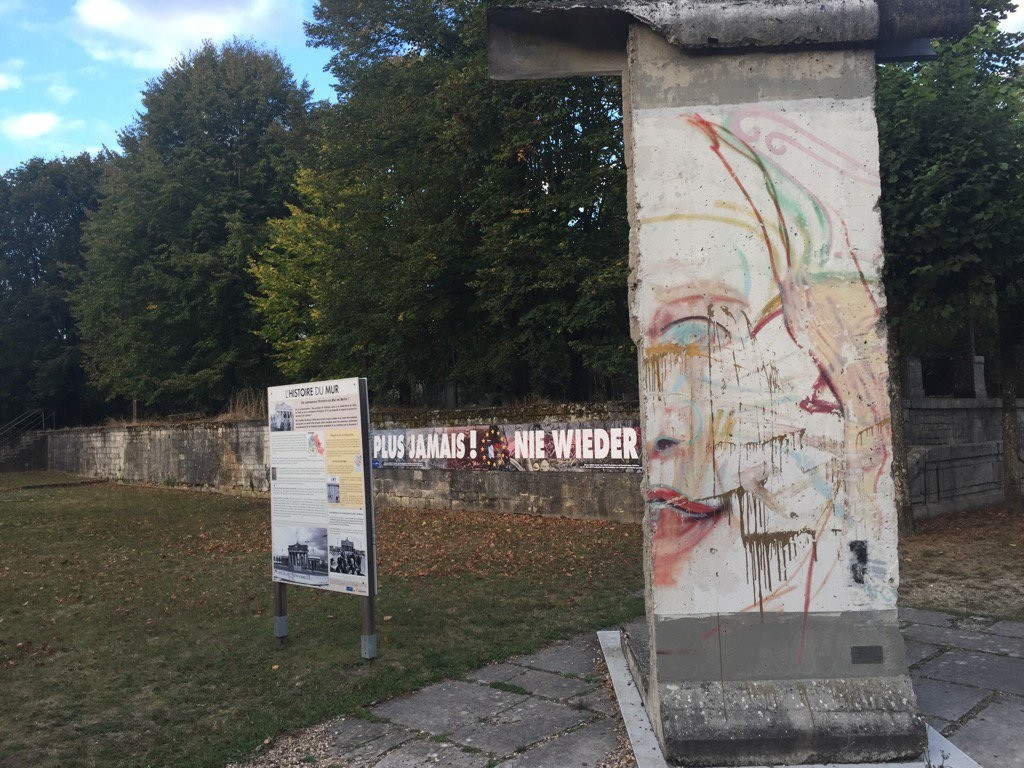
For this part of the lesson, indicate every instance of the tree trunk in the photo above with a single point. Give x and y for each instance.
(904, 512)
(1011, 428)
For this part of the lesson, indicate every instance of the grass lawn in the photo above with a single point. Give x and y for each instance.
(136, 623)
(970, 564)
(33, 478)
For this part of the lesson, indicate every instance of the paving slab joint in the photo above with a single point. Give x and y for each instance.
(566, 732)
(970, 714)
(933, 655)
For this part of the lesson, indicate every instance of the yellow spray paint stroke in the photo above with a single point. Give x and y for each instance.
(768, 553)
(870, 432)
(773, 306)
(730, 220)
(660, 360)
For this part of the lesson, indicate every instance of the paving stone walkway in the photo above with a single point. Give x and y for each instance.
(551, 709)
(969, 678)
(555, 708)
(547, 709)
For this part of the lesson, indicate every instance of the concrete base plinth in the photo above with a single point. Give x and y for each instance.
(798, 721)
(793, 721)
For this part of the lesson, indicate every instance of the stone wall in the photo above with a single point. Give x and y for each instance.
(233, 455)
(955, 449)
(601, 495)
(230, 455)
(949, 421)
(954, 461)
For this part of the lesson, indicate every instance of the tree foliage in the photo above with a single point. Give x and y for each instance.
(953, 202)
(452, 229)
(953, 182)
(43, 204)
(163, 305)
(436, 229)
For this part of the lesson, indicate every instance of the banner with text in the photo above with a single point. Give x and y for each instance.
(583, 447)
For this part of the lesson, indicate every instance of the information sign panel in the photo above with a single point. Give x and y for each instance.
(321, 499)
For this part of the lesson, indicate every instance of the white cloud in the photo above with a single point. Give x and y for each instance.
(9, 82)
(151, 34)
(60, 92)
(1015, 21)
(30, 125)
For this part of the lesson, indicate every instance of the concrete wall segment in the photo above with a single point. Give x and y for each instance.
(765, 411)
(758, 224)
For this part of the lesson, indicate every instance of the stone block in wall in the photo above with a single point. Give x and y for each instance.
(572, 494)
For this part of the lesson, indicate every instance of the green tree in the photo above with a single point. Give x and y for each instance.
(452, 229)
(163, 305)
(953, 200)
(43, 204)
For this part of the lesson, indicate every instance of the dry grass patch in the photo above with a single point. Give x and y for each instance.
(135, 623)
(969, 564)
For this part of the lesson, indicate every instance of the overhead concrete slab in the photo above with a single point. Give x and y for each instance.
(587, 37)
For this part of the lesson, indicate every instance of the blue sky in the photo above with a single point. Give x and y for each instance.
(71, 71)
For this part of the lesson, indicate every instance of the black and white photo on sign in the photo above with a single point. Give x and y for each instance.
(348, 555)
(282, 418)
(333, 491)
(300, 553)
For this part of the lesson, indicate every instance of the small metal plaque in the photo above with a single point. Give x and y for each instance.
(866, 654)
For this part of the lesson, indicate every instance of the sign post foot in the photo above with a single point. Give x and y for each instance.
(369, 646)
(281, 612)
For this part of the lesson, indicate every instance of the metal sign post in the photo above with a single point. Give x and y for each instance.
(368, 644)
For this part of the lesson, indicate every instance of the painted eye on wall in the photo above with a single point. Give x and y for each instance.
(697, 331)
(663, 444)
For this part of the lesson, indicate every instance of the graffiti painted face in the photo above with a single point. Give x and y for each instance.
(763, 364)
(690, 340)
(724, 423)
